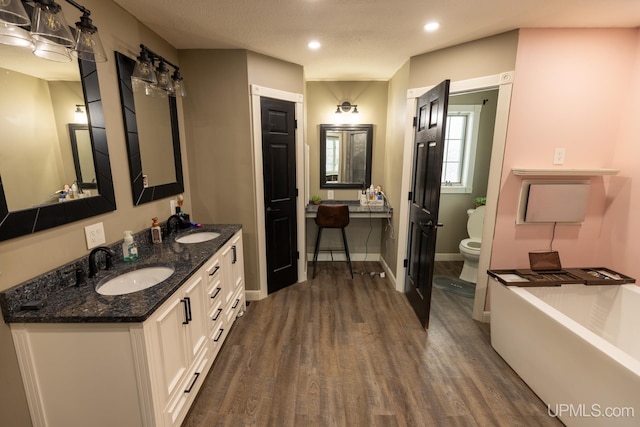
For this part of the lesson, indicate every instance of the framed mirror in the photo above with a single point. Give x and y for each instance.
(153, 140)
(345, 156)
(36, 163)
(82, 155)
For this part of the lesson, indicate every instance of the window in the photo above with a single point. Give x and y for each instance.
(333, 158)
(460, 148)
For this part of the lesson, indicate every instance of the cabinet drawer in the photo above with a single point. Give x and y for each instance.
(234, 306)
(216, 314)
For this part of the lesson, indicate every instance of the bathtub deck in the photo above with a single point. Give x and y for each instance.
(339, 352)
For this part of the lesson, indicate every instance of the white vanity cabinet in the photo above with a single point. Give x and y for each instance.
(133, 374)
(176, 345)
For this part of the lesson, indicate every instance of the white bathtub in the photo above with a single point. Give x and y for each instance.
(576, 346)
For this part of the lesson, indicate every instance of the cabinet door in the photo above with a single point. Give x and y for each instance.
(197, 325)
(170, 352)
(229, 254)
(237, 266)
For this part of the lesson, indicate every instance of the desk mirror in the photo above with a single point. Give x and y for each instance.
(153, 141)
(38, 107)
(345, 156)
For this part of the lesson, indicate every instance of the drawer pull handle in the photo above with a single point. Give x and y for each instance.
(215, 270)
(216, 293)
(215, 317)
(195, 378)
(235, 304)
(219, 335)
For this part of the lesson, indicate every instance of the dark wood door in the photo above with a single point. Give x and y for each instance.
(279, 169)
(430, 121)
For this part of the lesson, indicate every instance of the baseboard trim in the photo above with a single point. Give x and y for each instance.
(340, 256)
(253, 295)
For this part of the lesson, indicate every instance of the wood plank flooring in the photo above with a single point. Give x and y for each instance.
(339, 352)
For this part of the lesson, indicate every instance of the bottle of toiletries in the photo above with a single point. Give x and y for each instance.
(129, 247)
(156, 232)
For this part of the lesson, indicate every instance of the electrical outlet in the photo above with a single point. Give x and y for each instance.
(558, 156)
(330, 195)
(95, 235)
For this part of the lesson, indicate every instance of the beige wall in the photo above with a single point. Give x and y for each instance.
(218, 122)
(29, 256)
(322, 97)
(393, 154)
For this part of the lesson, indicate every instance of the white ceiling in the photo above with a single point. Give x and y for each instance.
(361, 39)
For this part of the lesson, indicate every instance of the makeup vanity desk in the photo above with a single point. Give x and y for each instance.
(355, 209)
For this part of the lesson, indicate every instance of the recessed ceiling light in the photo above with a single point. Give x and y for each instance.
(314, 44)
(431, 26)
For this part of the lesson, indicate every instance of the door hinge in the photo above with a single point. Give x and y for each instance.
(415, 121)
(410, 195)
(295, 124)
(297, 254)
(406, 263)
(297, 192)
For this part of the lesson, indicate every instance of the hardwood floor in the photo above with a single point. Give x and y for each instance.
(339, 352)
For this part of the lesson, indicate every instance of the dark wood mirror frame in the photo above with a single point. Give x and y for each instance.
(27, 221)
(142, 194)
(324, 128)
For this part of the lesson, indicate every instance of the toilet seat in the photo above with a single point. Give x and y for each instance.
(470, 246)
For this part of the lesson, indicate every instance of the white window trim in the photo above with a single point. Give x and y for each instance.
(471, 142)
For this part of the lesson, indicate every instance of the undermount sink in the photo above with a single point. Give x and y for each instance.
(135, 280)
(198, 237)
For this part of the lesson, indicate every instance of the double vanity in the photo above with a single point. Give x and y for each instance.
(128, 358)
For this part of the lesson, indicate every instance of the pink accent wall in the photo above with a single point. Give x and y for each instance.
(577, 89)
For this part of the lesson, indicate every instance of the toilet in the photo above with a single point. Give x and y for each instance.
(470, 248)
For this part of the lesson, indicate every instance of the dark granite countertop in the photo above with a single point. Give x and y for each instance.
(66, 303)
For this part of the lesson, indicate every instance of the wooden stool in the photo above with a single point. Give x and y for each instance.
(332, 216)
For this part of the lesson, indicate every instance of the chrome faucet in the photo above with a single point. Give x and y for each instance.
(93, 265)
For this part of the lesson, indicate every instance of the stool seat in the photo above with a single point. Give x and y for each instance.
(332, 216)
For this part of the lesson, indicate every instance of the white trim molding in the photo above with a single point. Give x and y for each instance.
(503, 82)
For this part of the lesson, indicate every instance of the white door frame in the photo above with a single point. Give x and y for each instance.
(256, 119)
(503, 82)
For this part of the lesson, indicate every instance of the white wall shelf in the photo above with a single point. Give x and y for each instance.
(563, 172)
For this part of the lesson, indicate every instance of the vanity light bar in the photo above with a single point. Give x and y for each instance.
(47, 32)
(159, 77)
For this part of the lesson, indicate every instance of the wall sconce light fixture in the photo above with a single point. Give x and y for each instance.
(47, 33)
(158, 77)
(346, 106)
(80, 115)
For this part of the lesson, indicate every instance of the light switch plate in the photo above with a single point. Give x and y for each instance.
(95, 235)
(330, 195)
(172, 206)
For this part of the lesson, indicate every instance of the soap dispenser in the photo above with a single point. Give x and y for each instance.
(129, 248)
(156, 232)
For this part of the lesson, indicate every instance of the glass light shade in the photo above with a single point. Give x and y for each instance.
(13, 12)
(88, 43)
(143, 70)
(50, 25)
(14, 35)
(89, 47)
(79, 116)
(178, 87)
(164, 81)
(52, 52)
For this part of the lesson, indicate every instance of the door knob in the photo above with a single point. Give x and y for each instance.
(430, 224)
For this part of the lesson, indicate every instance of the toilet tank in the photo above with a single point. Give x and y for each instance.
(474, 224)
